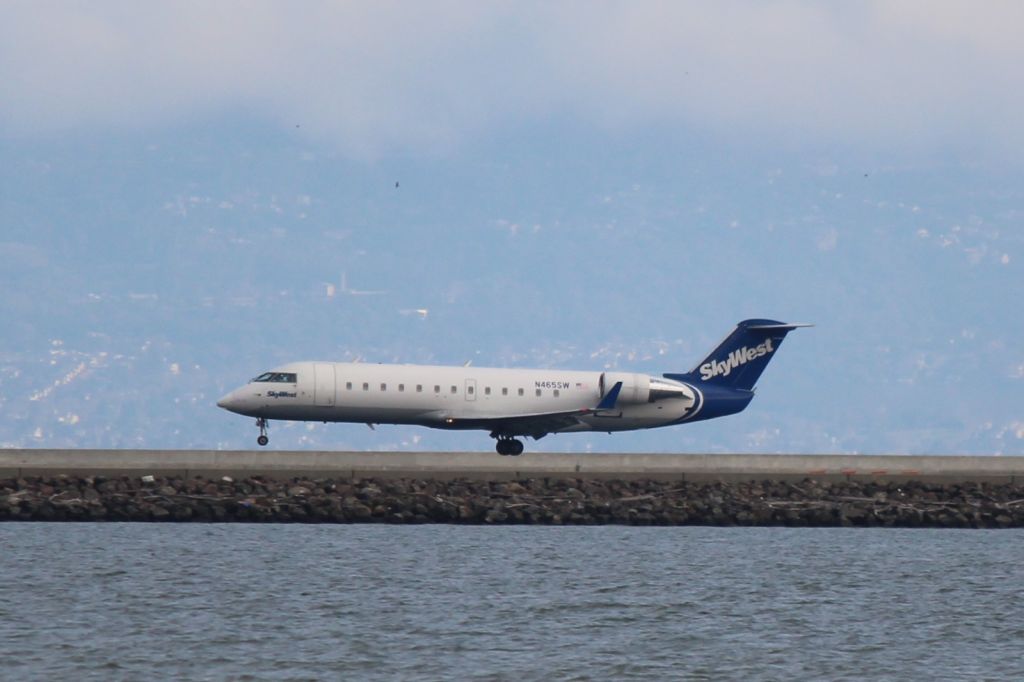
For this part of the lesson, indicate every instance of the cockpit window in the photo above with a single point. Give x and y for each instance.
(277, 378)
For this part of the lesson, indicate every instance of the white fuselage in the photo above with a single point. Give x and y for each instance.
(460, 397)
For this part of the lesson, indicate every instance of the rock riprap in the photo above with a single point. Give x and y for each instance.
(550, 501)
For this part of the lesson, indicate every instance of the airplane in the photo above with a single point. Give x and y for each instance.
(513, 403)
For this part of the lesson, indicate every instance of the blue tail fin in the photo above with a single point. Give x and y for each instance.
(741, 357)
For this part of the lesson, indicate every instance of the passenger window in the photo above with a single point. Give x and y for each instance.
(419, 388)
(454, 390)
(469, 390)
(383, 387)
(401, 388)
(366, 387)
(487, 390)
(348, 385)
(504, 391)
(437, 389)
(556, 392)
(538, 392)
(520, 391)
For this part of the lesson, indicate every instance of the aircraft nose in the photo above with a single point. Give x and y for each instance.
(228, 402)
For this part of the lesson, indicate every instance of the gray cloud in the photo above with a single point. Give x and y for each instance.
(373, 76)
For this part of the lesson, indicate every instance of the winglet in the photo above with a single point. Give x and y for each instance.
(608, 401)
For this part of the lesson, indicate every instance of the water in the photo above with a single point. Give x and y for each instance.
(255, 602)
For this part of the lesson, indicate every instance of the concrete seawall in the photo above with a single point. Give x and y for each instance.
(445, 466)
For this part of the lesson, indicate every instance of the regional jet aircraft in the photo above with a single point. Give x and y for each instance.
(513, 403)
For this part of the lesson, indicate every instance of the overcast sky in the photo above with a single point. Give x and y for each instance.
(856, 165)
(380, 76)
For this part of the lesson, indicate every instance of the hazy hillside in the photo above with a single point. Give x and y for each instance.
(145, 275)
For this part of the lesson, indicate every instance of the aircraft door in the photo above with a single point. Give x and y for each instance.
(323, 392)
(470, 389)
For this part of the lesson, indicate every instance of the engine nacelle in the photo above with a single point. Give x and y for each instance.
(636, 388)
(640, 388)
(663, 389)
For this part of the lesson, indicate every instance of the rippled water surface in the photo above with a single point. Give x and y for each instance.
(137, 601)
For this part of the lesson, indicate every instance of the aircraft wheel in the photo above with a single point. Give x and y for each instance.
(515, 447)
(262, 424)
(500, 447)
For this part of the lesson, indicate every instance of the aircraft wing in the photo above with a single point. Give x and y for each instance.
(534, 425)
(539, 424)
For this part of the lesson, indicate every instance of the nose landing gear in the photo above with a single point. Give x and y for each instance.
(507, 445)
(262, 423)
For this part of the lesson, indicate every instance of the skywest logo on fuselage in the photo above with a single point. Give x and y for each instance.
(736, 358)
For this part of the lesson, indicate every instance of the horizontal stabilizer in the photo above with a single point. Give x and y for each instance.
(780, 326)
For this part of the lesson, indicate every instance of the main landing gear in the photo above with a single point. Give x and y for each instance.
(507, 445)
(262, 423)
